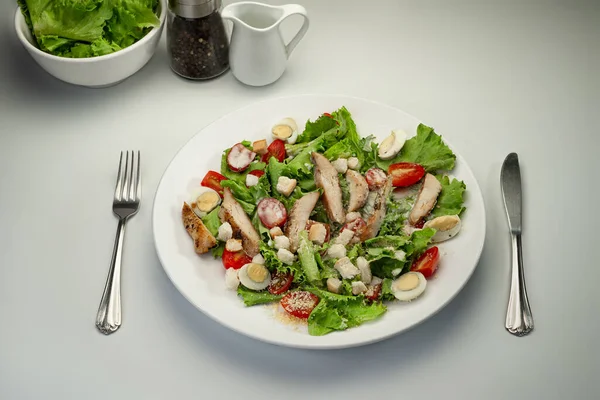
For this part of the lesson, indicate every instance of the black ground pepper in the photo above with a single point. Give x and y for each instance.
(198, 47)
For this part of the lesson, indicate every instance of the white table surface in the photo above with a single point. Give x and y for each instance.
(493, 77)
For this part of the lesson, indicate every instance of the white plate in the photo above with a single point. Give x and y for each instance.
(201, 278)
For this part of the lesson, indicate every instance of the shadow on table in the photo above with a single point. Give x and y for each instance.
(391, 355)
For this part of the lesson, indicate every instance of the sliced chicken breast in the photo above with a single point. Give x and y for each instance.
(232, 212)
(359, 190)
(426, 199)
(298, 217)
(375, 218)
(203, 239)
(326, 178)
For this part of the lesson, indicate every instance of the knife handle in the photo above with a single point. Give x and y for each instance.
(519, 320)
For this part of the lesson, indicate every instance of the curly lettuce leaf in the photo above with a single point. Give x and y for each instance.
(450, 200)
(274, 264)
(427, 149)
(88, 28)
(388, 254)
(300, 166)
(396, 213)
(418, 242)
(313, 130)
(252, 298)
(339, 312)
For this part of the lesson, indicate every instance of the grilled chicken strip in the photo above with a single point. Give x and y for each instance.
(232, 212)
(203, 239)
(375, 218)
(298, 217)
(426, 199)
(326, 178)
(358, 188)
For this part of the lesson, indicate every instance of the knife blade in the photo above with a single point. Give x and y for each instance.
(510, 179)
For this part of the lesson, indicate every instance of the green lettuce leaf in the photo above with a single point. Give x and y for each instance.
(300, 166)
(274, 264)
(306, 254)
(450, 200)
(396, 213)
(313, 130)
(261, 190)
(418, 243)
(252, 298)
(338, 312)
(387, 294)
(427, 149)
(217, 252)
(88, 28)
(394, 241)
(241, 194)
(212, 221)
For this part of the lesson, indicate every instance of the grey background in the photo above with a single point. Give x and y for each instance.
(493, 77)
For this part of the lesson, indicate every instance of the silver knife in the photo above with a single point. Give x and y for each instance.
(519, 320)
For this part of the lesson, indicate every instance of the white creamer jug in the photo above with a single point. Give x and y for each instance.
(257, 53)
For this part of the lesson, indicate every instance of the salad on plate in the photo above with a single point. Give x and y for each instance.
(329, 224)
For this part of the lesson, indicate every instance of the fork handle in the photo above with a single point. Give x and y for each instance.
(519, 320)
(108, 319)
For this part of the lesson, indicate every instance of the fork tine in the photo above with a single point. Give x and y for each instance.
(119, 179)
(131, 180)
(138, 180)
(125, 187)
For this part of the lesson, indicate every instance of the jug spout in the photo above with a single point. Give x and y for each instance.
(255, 16)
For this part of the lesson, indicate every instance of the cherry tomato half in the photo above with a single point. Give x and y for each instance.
(405, 174)
(427, 263)
(235, 259)
(212, 180)
(299, 303)
(275, 149)
(280, 283)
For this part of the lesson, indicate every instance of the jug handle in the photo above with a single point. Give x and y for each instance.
(293, 9)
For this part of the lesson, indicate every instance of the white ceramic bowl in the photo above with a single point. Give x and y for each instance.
(98, 71)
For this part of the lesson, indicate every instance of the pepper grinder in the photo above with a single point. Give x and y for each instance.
(196, 39)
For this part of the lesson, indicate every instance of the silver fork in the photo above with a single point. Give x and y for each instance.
(126, 203)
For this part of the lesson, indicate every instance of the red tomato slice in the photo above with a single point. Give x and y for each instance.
(271, 212)
(212, 180)
(427, 263)
(257, 172)
(280, 283)
(405, 174)
(376, 178)
(299, 304)
(275, 149)
(373, 292)
(235, 259)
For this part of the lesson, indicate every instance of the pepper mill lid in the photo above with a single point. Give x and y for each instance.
(194, 8)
